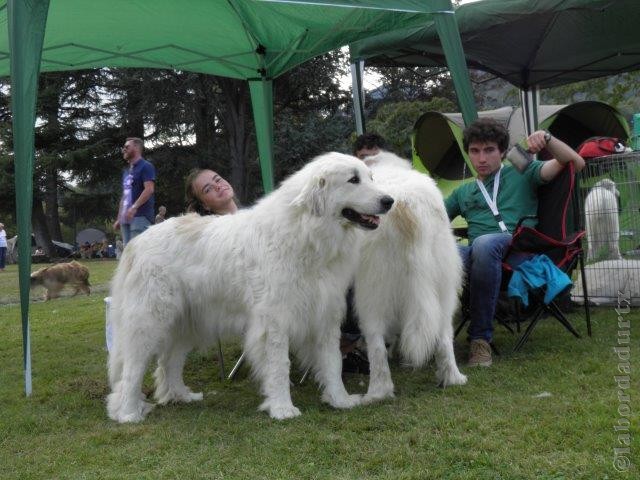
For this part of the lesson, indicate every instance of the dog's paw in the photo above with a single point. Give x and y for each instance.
(195, 396)
(378, 396)
(280, 412)
(343, 401)
(132, 417)
(184, 395)
(452, 378)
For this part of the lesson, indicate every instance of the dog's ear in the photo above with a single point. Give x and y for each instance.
(312, 196)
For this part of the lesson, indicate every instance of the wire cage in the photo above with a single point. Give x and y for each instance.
(609, 211)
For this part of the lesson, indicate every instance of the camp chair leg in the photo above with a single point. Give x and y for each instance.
(557, 313)
(508, 327)
(585, 295)
(304, 376)
(221, 360)
(462, 323)
(587, 318)
(236, 367)
(528, 331)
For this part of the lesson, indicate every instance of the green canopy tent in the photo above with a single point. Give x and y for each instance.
(256, 40)
(530, 43)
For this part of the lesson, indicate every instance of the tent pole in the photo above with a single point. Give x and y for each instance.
(262, 102)
(529, 101)
(27, 21)
(357, 93)
(447, 29)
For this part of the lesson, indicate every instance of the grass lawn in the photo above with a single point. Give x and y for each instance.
(547, 412)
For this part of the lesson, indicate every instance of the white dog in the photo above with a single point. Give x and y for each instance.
(601, 219)
(276, 273)
(409, 278)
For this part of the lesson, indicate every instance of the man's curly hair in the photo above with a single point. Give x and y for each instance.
(369, 141)
(486, 130)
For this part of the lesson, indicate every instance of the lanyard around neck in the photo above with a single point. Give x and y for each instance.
(492, 202)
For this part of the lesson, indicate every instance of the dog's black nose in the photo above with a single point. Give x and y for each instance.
(386, 202)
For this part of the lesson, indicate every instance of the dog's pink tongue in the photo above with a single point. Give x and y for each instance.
(372, 219)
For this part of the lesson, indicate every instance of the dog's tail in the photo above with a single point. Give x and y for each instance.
(420, 331)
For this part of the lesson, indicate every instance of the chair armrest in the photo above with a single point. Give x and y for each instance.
(526, 217)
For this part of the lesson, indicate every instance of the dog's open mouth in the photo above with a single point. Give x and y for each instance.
(370, 222)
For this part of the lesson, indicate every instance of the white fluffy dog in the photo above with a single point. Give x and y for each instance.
(409, 278)
(276, 273)
(601, 220)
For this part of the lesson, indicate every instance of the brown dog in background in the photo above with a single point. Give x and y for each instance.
(55, 277)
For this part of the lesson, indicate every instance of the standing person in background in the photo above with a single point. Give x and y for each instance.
(3, 247)
(162, 214)
(354, 359)
(138, 185)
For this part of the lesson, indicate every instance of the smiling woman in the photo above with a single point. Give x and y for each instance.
(208, 193)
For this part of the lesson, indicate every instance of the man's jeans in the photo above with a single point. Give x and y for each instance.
(133, 229)
(483, 266)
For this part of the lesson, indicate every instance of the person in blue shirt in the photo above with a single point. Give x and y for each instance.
(136, 212)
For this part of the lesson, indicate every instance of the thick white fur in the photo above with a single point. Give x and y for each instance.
(276, 273)
(601, 219)
(409, 278)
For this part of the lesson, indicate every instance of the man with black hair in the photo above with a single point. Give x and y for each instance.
(368, 144)
(492, 206)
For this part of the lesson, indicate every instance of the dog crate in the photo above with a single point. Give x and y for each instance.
(609, 209)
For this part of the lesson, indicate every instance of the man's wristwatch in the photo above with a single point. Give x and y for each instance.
(547, 137)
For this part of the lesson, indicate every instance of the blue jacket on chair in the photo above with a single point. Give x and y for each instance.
(535, 273)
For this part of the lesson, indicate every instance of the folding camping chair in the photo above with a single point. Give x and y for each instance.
(558, 235)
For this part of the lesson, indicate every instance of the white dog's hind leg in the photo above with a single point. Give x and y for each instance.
(169, 381)
(447, 371)
(380, 383)
(268, 352)
(126, 402)
(328, 365)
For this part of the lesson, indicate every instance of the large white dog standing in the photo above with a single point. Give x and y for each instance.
(601, 220)
(409, 278)
(276, 273)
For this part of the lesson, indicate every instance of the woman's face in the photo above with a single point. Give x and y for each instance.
(213, 191)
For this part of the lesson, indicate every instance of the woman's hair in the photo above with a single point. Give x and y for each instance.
(193, 202)
(486, 130)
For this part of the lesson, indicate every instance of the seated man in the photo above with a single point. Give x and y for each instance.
(492, 206)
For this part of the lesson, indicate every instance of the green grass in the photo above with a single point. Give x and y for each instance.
(493, 428)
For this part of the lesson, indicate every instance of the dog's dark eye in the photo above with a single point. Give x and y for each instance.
(354, 179)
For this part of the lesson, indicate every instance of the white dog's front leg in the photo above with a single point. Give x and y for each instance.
(447, 371)
(380, 383)
(328, 363)
(269, 354)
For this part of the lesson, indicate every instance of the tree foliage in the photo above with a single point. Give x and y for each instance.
(194, 120)
(186, 119)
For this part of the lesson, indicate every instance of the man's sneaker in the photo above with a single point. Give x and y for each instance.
(480, 353)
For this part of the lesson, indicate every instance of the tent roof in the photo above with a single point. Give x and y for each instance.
(525, 42)
(231, 38)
